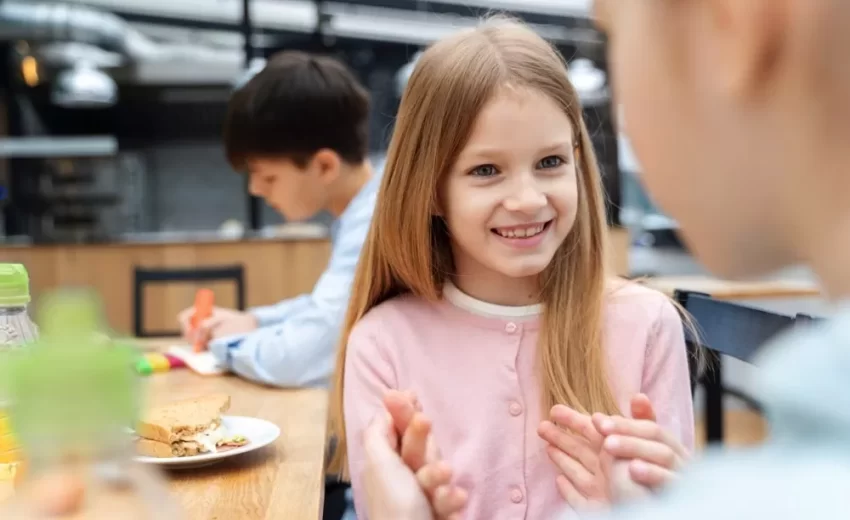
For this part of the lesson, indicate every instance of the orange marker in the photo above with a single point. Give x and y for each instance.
(204, 301)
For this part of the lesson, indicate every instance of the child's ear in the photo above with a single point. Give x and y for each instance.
(436, 211)
(745, 42)
(437, 208)
(327, 165)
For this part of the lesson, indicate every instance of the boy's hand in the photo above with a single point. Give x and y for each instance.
(223, 322)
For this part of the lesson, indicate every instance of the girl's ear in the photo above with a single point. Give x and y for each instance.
(437, 208)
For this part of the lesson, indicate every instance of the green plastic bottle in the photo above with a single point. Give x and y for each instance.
(16, 329)
(73, 397)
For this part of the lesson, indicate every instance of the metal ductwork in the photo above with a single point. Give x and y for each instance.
(116, 26)
(344, 19)
(48, 22)
(78, 41)
(21, 20)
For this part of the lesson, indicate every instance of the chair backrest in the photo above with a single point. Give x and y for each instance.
(730, 328)
(726, 328)
(143, 276)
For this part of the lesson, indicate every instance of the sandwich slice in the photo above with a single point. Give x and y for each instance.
(185, 428)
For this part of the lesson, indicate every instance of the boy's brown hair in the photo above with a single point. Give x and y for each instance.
(297, 105)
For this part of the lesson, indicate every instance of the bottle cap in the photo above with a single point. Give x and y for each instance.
(71, 391)
(14, 285)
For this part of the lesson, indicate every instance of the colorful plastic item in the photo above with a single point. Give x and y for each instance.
(152, 363)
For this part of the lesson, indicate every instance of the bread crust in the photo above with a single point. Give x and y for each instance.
(149, 448)
(174, 422)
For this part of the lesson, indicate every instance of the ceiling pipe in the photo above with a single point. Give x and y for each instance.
(51, 21)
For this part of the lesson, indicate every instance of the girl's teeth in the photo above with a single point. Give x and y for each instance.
(521, 233)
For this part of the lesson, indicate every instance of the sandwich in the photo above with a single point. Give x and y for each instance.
(186, 428)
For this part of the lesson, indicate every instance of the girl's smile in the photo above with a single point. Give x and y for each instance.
(523, 236)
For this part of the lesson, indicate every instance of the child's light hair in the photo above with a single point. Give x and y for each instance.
(408, 249)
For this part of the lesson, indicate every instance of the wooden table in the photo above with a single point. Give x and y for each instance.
(281, 481)
(729, 290)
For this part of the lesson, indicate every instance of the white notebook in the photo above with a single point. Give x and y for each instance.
(203, 363)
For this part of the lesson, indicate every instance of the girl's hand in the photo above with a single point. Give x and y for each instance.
(575, 449)
(655, 456)
(391, 488)
(419, 453)
(633, 456)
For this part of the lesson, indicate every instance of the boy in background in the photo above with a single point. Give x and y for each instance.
(299, 130)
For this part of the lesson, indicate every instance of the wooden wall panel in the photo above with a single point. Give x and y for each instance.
(274, 270)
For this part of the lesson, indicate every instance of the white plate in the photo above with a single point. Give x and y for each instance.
(259, 433)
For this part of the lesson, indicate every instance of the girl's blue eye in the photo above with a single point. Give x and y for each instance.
(485, 170)
(553, 161)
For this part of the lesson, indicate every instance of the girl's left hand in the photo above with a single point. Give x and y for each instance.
(655, 455)
(610, 458)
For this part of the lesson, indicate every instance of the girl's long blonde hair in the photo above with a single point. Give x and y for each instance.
(407, 249)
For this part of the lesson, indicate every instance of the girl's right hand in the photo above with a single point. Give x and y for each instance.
(419, 452)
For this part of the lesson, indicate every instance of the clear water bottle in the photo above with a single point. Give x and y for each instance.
(73, 397)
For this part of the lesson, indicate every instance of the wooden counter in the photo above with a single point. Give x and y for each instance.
(275, 268)
(735, 290)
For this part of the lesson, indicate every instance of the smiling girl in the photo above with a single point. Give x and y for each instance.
(483, 285)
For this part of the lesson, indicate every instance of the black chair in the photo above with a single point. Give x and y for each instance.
(143, 276)
(734, 330)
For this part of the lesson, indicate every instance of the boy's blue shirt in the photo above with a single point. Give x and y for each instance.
(295, 344)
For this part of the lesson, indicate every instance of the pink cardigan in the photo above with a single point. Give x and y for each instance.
(472, 365)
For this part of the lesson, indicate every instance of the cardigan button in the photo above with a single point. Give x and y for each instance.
(515, 408)
(516, 495)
